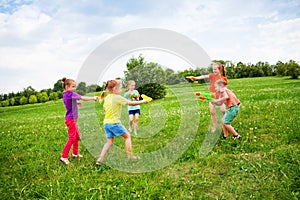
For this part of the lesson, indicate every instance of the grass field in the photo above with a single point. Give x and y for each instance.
(264, 164)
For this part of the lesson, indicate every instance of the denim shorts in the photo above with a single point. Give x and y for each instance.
(133, 112)
(114, 130)
(230, 114)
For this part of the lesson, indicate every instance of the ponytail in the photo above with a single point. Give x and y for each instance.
(108, 86)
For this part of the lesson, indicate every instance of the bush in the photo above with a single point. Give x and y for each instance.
(5, 103)
(32, 99)
(60, 94)
(23, 100)
(12, 101)
(43, 97)
(53, 96)
(153, 90)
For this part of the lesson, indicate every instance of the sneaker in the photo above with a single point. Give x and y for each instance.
(64, 160)
(77, 156)
(236, 137)
(224, 138)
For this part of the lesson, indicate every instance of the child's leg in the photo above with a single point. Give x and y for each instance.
(128, 145)
(225, 131)
(71, 137)
(67, 147)
(213, 115)
(136, 122)
(75, 143)
(130, 122)
(106, 147)
(231, 129)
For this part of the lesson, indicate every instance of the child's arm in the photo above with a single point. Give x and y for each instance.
(135, 103)
(88, 98)
(224, 97)
(193, 78)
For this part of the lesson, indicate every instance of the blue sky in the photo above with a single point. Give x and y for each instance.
(42, 41)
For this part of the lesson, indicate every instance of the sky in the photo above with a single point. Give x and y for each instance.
(43, 41)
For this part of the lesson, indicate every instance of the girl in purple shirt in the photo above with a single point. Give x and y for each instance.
(70, 99)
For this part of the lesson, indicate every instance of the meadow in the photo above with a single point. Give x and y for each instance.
(264, 164)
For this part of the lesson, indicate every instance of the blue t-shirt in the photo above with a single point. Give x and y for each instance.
(131, 95)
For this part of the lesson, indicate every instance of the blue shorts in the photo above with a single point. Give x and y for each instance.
(114, 130)
(133, 112)
(230, 114)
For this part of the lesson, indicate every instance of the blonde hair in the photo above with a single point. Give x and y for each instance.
(129, 83)
(109, 86)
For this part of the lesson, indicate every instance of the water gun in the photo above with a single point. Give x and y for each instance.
(134, 96)
(205, 95)
(145, 97)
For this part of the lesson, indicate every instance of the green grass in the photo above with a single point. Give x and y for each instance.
(263, 165)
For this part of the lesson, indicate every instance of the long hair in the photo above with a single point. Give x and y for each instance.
(221, 68)
(109, 86)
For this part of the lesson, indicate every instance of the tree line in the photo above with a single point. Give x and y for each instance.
(30, 96)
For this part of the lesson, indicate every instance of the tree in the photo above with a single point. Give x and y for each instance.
(53, 96)
(145, 74)
(58, 86)
(28, 91)
(32, 99)
(81, 88)
(293, 69)
(43, 97)
(5, 103)
(23, 100)
(92, 88)
(280, 69)
(12, 101)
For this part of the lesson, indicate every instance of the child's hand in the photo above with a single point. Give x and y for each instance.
(213, 102)
(95, 98)
(145, 101)
(79, 103)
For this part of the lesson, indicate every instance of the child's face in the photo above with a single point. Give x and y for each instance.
(132, 86)
(71, 87)
(216, 71)
(219, 86)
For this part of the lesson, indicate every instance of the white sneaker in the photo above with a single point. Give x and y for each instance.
(77, 156)
(64, 160)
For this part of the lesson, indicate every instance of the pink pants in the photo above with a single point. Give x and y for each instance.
(73, 138)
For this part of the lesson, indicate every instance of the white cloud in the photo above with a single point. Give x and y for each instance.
(42, 41)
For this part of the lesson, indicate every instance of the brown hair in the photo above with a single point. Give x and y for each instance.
(129, 83)
(66, 82)
(110, 85)
(221, 68)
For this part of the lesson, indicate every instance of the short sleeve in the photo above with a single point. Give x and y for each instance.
(210, 76)
(76, 96)
(120, 100)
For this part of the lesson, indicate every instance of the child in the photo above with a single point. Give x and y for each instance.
(218, 73)
(70, 98)
(232, 107)
(133, 111)
(112, 125)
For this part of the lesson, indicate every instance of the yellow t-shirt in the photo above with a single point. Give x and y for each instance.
(113, 108)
